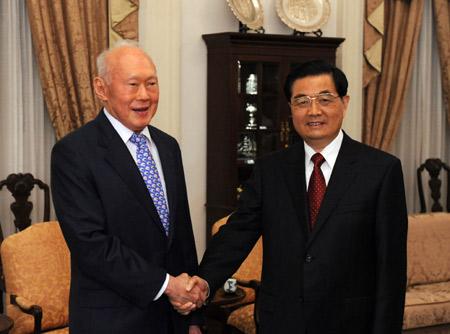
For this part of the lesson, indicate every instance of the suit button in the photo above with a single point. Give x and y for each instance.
(308, 258)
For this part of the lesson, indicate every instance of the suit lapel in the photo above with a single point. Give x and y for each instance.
(120, 159)
(344, 172)
(168, 166)
(294, 171)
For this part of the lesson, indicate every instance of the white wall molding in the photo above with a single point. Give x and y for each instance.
(350, 23)
(159, 35)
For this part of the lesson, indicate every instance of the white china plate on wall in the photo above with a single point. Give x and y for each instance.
(248, 12)
(303, 15)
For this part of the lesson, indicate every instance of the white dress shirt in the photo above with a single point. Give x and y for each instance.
(330, 153)
(126, 134)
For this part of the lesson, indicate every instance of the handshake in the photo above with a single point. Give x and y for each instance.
(186, 293)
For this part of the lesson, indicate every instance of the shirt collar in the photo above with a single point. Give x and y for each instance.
(330, 152)
(125, 133)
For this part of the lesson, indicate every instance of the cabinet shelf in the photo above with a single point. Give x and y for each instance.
(260, 129)
(244, 162)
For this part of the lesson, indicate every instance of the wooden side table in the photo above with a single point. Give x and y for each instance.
(223, 298)
(6, 324)
(219, 309)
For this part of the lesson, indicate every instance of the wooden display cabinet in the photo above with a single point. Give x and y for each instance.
(248, 115)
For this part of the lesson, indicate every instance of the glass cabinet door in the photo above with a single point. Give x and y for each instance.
(262, 122)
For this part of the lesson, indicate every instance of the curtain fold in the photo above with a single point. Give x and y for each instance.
(373, 40)
(67, 37)
(27, 135)
(424, 132)
(384, 95)
(442, 19)
(123, 20)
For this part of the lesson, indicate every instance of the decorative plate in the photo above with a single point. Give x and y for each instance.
(248, 12)
(303, 15)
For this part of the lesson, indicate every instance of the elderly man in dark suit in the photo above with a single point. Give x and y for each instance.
(120, 197)
(332, 215)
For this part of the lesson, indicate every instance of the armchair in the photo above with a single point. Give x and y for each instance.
(20, 186)
(242, 317)
(36, 265)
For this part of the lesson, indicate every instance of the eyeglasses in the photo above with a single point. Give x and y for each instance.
(305, 102)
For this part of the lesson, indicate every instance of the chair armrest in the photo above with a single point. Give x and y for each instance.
(27, 307)
(254, 284)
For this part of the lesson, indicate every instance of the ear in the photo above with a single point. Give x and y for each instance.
(345, 101)
(100, 88)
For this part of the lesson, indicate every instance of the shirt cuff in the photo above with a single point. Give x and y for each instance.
(163, 288)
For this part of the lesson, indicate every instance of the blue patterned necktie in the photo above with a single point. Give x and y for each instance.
(149, 173)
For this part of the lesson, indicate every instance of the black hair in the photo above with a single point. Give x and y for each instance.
(314, 68)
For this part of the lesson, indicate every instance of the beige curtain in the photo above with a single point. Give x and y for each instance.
(123, 20)
(385, 93)
(424, 131)
(373, 40)
(442, 18)
(67, 37)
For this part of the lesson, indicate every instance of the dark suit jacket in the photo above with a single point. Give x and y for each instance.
(119, 251)
(346, 276)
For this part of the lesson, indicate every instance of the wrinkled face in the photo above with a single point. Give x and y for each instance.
(130, 89)
(317, 124)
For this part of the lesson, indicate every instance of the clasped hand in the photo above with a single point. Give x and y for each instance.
(186, 293)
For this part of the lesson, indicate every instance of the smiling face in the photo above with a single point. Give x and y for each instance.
(318, 125)
(129, 90)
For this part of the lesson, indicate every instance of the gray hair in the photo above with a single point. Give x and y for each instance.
(102, 68)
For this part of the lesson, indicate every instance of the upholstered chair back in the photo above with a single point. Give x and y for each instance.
(250, 269)
(428, 248)
(36, 264)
